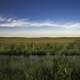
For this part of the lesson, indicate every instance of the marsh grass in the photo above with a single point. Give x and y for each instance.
(41, 68)
(40, 46)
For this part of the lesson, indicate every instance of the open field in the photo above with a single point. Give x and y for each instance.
(39, 58)
(40, 46)
(40, 68)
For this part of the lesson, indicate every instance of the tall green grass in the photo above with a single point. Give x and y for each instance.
(41, 68)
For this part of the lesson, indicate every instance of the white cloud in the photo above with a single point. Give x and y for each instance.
(20, 23)
(2, 19)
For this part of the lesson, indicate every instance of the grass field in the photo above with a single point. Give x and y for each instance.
(41, 68)
(40, 46)
(39, 58)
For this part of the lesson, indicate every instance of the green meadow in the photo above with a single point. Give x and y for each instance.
(40, 68)
(40, 58)
(40, 46)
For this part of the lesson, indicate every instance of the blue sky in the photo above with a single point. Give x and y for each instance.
(39, 18)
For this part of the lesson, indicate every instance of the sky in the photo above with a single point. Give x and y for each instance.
(39, 18)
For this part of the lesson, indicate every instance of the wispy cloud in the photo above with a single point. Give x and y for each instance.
(21, 23)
